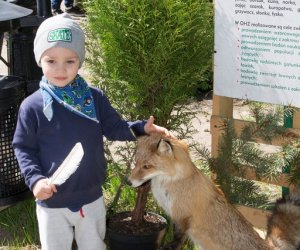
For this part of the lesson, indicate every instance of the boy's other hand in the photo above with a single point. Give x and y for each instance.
(150, 128)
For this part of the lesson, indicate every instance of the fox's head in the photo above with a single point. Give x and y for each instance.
(158, 156)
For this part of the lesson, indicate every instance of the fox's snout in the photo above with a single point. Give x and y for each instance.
(128, 181)
(134, 182)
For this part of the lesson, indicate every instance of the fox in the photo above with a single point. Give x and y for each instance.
(198, 207)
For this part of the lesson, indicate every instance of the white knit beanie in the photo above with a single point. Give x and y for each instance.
(59, 31)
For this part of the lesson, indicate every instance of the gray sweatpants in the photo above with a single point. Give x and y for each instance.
(59, 226)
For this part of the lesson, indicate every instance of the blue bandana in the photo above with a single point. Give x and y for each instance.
(76, 97)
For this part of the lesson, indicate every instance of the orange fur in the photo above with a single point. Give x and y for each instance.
(196, 205)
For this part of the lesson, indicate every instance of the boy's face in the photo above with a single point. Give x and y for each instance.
(60, 65)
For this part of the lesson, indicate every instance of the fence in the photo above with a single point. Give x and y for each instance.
(223, 109)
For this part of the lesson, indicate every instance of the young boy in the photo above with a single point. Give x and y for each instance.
(64, 111)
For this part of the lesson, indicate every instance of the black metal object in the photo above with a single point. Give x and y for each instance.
(12, 186)
(21, 58)
(21, 33)
(23, 78)
(44, 8)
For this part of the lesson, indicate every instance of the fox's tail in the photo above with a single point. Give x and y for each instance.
(284, 224)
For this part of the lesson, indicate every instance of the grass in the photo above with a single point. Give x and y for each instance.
(18, 226)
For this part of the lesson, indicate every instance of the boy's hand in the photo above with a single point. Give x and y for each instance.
(150, 128)
(42, 190)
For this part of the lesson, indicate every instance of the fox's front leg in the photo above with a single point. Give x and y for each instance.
(179, 236)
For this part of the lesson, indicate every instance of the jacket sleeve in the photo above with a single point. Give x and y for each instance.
(115, 128)
(25, 147)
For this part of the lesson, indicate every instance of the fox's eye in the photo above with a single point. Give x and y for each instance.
(147, 166)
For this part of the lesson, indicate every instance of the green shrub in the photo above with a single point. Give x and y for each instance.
(149, 56)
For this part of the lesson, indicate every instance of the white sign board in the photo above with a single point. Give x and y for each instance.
(257, 50)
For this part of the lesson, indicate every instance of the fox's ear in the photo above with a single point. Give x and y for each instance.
(164, 148)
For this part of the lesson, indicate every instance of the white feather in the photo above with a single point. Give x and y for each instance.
(68, 167)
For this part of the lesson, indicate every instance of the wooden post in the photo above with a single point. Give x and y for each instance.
(222, 107)
(296, 119)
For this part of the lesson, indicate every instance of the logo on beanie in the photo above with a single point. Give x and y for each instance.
(64, 35)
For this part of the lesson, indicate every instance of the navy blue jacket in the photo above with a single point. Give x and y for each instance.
(41, 146)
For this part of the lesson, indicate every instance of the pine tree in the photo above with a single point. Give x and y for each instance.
(238, 153)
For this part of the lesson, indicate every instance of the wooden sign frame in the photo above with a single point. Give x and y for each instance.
(223, 109)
